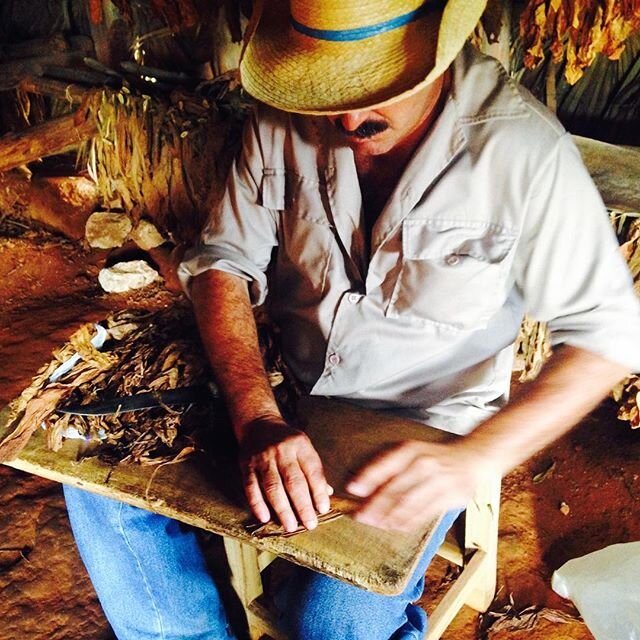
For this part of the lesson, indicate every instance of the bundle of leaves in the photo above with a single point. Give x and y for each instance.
(162, 158)
(576, 31)
(627, 393)
(150, 352)
(144, 352)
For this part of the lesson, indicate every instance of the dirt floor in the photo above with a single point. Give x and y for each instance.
(48, 287)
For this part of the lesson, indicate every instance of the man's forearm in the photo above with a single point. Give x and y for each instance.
(571, 385)
(281, 470)
(228, 330)
(415, 481)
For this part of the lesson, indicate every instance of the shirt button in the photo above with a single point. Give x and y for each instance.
(334, 359)
(354, 298)
(452, 260)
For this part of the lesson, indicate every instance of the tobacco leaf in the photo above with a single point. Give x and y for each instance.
(145, 351)
(339, 506)
(576, 31)
(510, 617)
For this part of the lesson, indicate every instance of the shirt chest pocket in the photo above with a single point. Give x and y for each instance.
(452, 274)
(305, 237)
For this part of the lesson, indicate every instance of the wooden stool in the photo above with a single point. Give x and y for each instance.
(475, 586)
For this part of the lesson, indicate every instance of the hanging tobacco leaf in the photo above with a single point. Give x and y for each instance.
(576, 31)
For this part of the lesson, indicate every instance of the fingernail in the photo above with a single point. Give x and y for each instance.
(290, 526)
(312, 524)
(329, 489)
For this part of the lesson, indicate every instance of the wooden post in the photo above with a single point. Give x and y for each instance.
(246, 563)
(63, 203)
(481, 532)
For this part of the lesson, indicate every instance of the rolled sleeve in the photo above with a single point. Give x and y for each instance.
(240, 234)
(570, 270)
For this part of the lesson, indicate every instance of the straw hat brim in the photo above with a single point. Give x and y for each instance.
(293, 72)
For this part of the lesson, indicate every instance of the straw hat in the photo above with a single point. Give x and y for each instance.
(334, 56)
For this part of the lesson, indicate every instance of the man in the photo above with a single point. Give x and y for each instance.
(410, 203)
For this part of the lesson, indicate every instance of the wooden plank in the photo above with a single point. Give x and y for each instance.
(207, 493)
(456, 596)
(47, 139)
(245, 570)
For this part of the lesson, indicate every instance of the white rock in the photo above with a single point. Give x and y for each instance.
(106, 230)
(146, 235)
(124, 276)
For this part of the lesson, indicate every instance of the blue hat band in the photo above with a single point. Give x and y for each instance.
(361, 33)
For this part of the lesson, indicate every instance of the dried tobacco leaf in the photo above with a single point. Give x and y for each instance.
(532, 349)
(627, 395)
(37, 403)
(144, 352)
(576, 31)
(339, 506)
(510, 617)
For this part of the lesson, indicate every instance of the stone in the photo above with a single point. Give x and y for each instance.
(105, 230)
(124, 276)
(146, 235)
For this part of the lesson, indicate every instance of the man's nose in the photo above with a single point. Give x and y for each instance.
(351, 121)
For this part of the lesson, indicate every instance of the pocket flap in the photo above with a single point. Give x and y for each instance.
(272, 190)
(437, 239)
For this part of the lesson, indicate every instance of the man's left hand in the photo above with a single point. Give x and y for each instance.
(414, 482)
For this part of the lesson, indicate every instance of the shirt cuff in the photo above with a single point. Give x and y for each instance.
(205, 257)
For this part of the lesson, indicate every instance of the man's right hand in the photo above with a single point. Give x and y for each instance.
(282, 470)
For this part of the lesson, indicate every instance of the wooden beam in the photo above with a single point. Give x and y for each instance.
(616, 171)
(74, 93)
(35, 47)
(47, 139)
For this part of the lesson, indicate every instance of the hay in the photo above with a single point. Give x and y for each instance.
(161, 157)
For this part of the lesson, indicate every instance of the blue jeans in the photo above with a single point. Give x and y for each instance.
(152, 582)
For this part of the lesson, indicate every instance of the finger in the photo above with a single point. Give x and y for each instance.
(398, 512)
(273, 487)
(311, 466)
(298, 489)
(255, 498)
(380, 470)
(392, 497)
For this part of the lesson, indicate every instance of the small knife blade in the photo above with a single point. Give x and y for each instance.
(197, 394)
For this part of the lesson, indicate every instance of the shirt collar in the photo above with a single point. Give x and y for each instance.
(482, 91)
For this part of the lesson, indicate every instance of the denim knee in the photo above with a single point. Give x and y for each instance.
(149, 574)
(318, 607)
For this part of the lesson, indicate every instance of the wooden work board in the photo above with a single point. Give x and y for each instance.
(207, 493)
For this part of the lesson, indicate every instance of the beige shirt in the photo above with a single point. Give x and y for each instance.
(494, 215)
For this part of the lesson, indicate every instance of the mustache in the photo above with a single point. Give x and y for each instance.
(366, 129)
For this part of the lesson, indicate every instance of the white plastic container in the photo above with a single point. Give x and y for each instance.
(605, 587)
